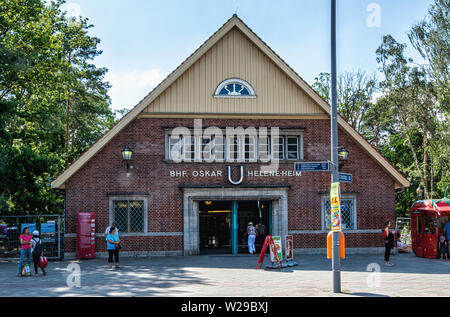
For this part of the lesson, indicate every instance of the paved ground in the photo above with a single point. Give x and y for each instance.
(231, 276)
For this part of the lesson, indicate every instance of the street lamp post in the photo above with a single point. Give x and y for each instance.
(336, 257)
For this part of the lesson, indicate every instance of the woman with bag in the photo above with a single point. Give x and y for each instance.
(37, 252)
(388, 243)
(25, 252)
(113, 247)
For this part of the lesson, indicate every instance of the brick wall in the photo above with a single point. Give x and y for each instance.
(87, 190)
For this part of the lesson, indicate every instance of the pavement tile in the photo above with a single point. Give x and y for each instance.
(234, 276)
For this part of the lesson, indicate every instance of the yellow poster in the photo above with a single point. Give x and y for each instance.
(335, 207)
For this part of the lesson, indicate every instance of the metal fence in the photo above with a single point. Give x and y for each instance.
(403, 231)
(50, 228)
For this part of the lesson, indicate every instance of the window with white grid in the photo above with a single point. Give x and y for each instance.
(348, 213)
(278, 148)
(207, 148)
(250, 148)
(219, 148)
(242, 148)
(264, 148)
(129, 215)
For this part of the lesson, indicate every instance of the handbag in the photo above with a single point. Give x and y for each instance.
(43, 262)
(118, 247)
(26, 271)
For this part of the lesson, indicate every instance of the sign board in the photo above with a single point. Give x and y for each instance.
(31, 227)
(335, 207)
(345, 178)
(289, 248)
(85, 240)
(48, 227)
(277, 242)
(48, 232)
(312, 166)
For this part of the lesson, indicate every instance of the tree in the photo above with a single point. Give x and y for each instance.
(355, 95)
(414, 100)
(86, 94)
(36, 81)
(431, 38)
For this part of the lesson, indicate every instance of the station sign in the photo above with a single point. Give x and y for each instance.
(312, 166)
(345, 178)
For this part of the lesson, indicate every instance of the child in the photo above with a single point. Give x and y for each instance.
(36, 252)
(443, 247)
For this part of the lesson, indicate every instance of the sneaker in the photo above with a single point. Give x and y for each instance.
(389, 264)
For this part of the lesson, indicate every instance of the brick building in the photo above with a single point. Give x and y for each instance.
(214, 147)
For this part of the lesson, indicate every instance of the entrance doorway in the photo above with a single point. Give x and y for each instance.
(255, 212)
(215, 226)
(223, 225)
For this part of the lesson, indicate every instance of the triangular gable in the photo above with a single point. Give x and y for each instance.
(234, 56)
(234, 22)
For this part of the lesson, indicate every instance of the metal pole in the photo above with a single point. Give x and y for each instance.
(336, 259)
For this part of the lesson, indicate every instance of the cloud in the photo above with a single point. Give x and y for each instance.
(131, 86)
(377, 95)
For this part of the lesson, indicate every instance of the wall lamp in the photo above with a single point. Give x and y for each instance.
(126, 155)
(419, 192)
(343, 155)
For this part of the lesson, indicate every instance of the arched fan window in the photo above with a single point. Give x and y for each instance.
(235, 88)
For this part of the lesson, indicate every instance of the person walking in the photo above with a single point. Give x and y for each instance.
(388, 243)
(447, 235)
(37, 252)
(251, 232)
(25, 252)
(113, 246)
(443, 248)
(261, 234)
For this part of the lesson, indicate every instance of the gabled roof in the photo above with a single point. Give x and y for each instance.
(400, 180)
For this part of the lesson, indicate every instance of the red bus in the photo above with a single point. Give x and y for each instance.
(428, 218)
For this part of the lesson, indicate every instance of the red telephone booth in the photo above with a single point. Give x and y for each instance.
(86, 235)
(428, 218)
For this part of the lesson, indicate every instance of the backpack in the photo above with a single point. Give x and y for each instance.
(37, 247)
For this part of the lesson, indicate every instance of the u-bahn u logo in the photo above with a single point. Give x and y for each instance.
(230, 179)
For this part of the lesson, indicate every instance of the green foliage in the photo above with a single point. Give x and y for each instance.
(44, 67)
(409, 123)
(431, 38)
(355, 92)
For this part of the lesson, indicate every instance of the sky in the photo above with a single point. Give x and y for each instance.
(143, 41)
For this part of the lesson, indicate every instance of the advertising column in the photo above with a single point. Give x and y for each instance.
(86, 235)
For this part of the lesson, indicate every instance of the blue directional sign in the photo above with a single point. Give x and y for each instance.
(345, 178)
(312, 166)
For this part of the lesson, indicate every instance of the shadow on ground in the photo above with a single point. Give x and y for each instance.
(178, 276)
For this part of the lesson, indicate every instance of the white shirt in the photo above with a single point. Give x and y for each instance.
(34, 240)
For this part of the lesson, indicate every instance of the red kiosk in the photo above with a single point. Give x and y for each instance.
(86, 235)
(428, 218)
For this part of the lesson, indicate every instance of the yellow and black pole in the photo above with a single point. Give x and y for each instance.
(336, 261)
